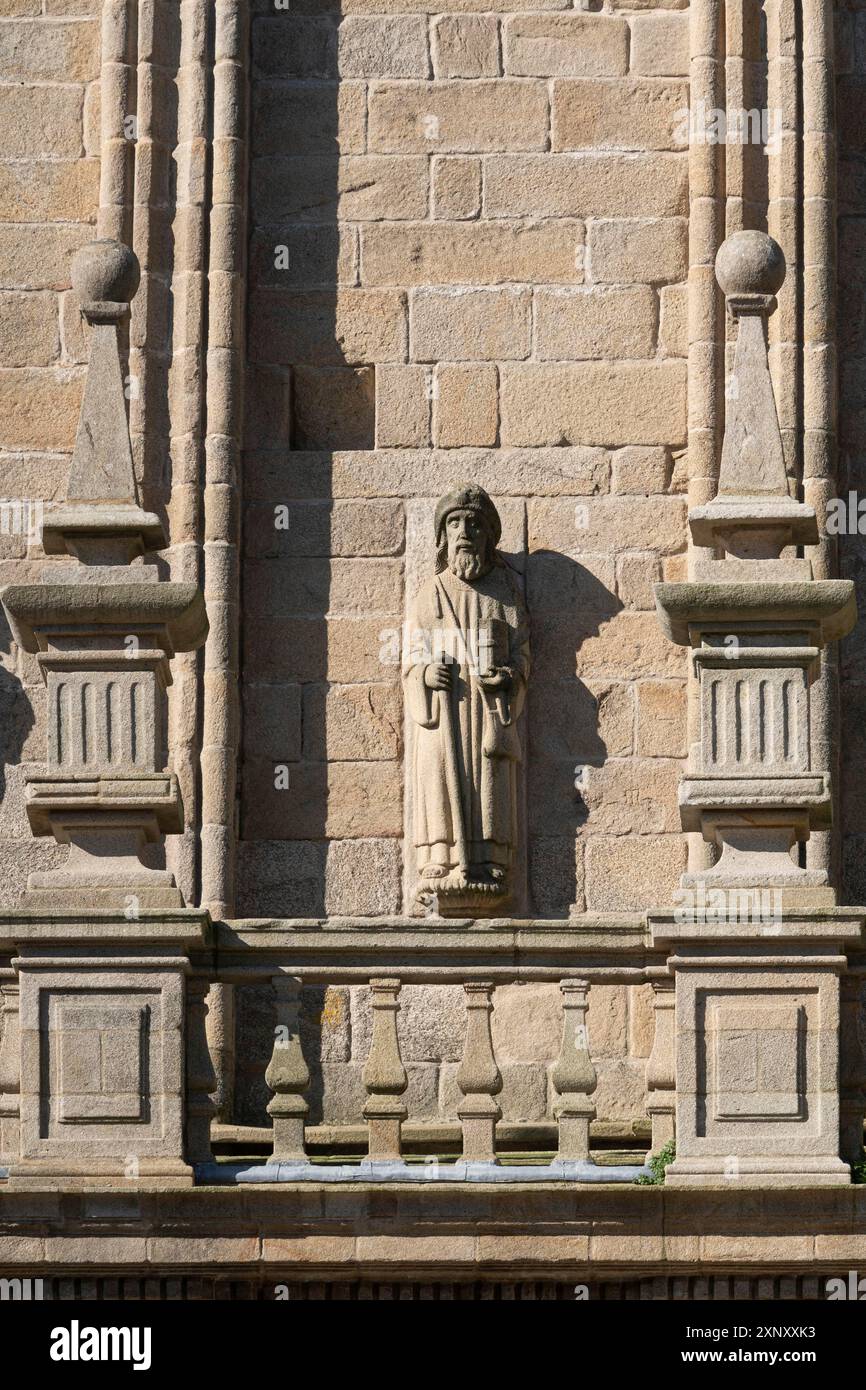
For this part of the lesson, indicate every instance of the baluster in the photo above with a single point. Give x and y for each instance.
(574, 1077)
(852, 1077)
(288, 1075)
(10, 1076)
(661, 1080)
(384, 1075)
(220, 1024)
(200, 1076)
(479, 1078)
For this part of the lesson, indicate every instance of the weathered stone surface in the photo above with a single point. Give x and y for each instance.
(275, 477)
(376, 46)
(353, 721)
(620, 1092)
(307, 586)
(631, 797)
(615, 716)
(606, 524)
(39, 409)
(660, 45)
(638, 249)
(353, 327)
(527, 1023)
(661, 719)
(40, 121)
(457, 118)
(635, 577)
(321, 188)
(333, 801)
(605, 403)
(465, 46)
(556, 875)
(585, 185)
(626, 646)
(593, 323)
(309, 118)
(299, 46)
(456, 191)
(641, 1021)
(607, 1021)
(334, 407)
(28, 329)
(49, 191)
(573, 44)
(305, 256)
(523, 1095)
(363, 878)
(431, 1024)
(645, 115)
(324, 1024)
(53, 51)
(465, 405)
(640, 471)
(272, 720)
(404, 395)
(629, 873)
(482, 253)
(474, 325)
(325, 529)
(674, 325)
(34, 256)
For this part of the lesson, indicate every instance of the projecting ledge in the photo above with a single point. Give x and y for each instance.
(686, 610)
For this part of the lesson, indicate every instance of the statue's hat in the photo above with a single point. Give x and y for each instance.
(468, 497)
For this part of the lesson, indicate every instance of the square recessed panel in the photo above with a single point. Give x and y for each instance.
(758, 1059)
(101, 1055)
(100, 1059)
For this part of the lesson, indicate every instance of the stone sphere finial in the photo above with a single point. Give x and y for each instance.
(750, 263)
(105, 272)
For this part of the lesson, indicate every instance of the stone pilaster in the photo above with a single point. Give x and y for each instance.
(757, 943)
(114, 1070)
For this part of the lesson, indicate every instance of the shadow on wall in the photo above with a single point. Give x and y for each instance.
(18, 700)
(567, 604)
(307, 394)
(851, 301)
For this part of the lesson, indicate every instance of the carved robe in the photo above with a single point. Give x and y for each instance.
(480, 625)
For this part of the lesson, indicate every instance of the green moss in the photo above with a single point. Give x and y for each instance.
(657, 1165)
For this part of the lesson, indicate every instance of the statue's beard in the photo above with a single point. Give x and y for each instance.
(468, 565)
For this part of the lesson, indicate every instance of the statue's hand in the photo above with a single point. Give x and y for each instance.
(497, 680)
(437, 676)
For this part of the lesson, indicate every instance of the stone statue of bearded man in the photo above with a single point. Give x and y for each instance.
(464, 677)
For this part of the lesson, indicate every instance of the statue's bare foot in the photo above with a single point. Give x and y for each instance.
(432, 872)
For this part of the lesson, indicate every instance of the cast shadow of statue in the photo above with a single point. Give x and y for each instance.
(568, 605)
(17, 720)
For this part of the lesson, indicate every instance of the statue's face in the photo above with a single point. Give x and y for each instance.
(467, 540)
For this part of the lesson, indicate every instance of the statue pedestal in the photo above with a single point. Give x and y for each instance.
(757, 1020)
(103, 1045)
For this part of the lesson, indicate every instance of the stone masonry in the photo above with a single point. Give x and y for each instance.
(387, 248)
